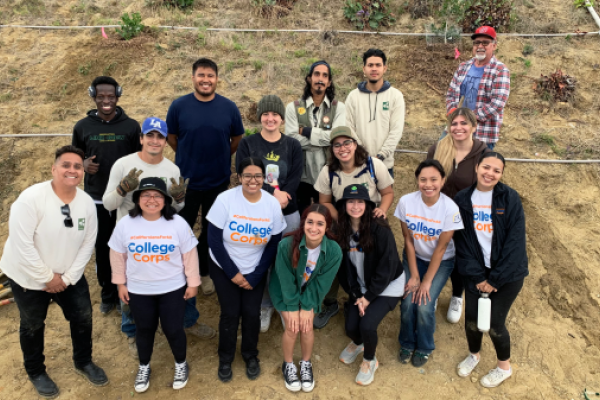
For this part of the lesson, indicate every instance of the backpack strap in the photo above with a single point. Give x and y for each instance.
(370, 169)
(333, 174)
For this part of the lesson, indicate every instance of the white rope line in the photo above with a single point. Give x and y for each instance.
(191, 28)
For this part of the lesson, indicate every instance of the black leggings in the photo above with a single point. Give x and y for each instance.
(364, 329)
(458, 286)
(235, 303)
(170, 309)
(502, 300)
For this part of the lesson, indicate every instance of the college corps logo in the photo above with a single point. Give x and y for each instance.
(81, 224)
(301, 110)
(386, 105)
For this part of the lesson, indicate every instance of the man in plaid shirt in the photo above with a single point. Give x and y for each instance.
(485, 84)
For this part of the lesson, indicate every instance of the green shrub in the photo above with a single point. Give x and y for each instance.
(368, 14)
(179, 3)
(130, 26)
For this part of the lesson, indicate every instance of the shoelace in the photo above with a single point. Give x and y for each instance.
(180, 371)
(305, 371)
(365, 367)
(291, 372)
(496, 374)
(454, 305)
(142, 375)
(472, 361)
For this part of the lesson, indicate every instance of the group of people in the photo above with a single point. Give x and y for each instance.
(309, 214)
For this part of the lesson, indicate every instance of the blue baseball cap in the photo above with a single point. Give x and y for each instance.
(154, 124)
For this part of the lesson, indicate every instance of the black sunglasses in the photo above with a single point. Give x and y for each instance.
(66, 211)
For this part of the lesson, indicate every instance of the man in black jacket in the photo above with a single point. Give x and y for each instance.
(105, 135)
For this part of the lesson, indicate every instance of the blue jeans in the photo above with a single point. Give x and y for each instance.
(417, 322)
(128, 323)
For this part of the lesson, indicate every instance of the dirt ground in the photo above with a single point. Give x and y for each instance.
(554, 322)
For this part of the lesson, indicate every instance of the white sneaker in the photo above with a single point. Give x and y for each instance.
(181, 375)
(142, 379)
(350, 353)
(265, 318)
(455, 310)
(467, 366)
(307, 379)
(495, 377)
(366, 373)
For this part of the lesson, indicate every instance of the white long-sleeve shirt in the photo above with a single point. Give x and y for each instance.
(164, 170)
(40, 245)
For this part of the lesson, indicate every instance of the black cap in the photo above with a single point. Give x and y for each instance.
(357, 191)
(152, 184)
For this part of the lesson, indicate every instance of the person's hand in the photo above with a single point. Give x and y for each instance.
(306, 320)
(190, 292)
(177, 190)
(362, 304)
(56, 285)
(282, 197)
(239, 280)
(130, 182)
(292, 320)
(124, 293)
(485, 287)
(89, 166)
(412, 286)
(422, 296)
(378, 212)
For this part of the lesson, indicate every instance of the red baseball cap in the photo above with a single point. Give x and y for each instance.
(485, 31)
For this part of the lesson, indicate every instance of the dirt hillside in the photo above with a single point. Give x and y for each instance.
(554, 322)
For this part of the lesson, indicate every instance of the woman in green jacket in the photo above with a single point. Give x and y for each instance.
(307, 261)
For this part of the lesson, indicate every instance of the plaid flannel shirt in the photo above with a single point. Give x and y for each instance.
(492, 95)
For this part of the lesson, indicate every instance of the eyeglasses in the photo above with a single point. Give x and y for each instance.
(484, 43)
(248, 177)
(152, 196)
(345, 143)
(66, 211)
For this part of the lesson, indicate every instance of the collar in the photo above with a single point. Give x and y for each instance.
(311, 103)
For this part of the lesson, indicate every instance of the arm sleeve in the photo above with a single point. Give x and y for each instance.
(453, 93)
(322, 184)
(351, 113)
(118, 265)
(292, 127)
(21, 225)
(498, 97)
(237, 127)
(266, 260)
(136, 144)
(77, 140)
(396, 127)
(75, 271)
(111, 199)
(173, 120)
(321, 137)
(313, 296)
(466, 260)
(191, 266)
(215, 242)
(389, 263)
(287, 279)
(295, 172)
(431, 152)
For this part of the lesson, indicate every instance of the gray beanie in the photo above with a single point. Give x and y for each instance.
(272, 103)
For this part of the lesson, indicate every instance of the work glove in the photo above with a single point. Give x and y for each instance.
(129, 183)
(177, 190)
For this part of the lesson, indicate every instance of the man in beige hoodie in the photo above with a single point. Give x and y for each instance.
(375, 110)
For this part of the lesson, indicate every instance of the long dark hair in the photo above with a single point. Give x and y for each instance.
(298, 234)
(168, 212)
(360, 157)
(343, 229)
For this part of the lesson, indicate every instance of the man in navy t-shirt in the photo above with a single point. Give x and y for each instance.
(205, 129)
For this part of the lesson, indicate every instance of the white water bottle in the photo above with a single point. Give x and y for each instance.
(484, 312)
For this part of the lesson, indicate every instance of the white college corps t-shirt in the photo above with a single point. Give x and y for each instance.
(482, 219)
(311, 263)
(247, 227)
(154, 252)
(426, 224)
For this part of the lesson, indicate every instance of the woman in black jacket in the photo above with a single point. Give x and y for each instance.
(371, 273)
(491, 255)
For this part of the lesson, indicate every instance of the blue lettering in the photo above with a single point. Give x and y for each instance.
(172, 248)
(155, 248)
(139, 248)
(131, 247)
(163, 249)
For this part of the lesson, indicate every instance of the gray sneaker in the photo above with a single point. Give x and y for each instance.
(201, 330)
(325, 315)
(350, 353)
(366, 373)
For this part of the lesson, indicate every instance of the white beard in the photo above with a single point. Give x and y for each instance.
(480, 57)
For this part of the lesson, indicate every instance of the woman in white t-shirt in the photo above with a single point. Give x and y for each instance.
(371, 274)
(429, 219)
(245, 227)
(154, 262)
(491, 254)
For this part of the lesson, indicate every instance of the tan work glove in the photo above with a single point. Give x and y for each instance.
(130, 182)
(177, 190)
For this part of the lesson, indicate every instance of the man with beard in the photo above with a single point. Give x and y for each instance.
(205, 129)
(310, 120)
(377, 120)
(485, 84)
(105, 135)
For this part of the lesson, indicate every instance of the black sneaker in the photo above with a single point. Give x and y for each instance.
(45, 386)
(93, 373)
(181, 375)
(404, 355)
(106, 308)
(419, 359)
(253, 368)
(306, 376)
(225, 373)
(325, 315)
(142, 379)
(290, 375)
